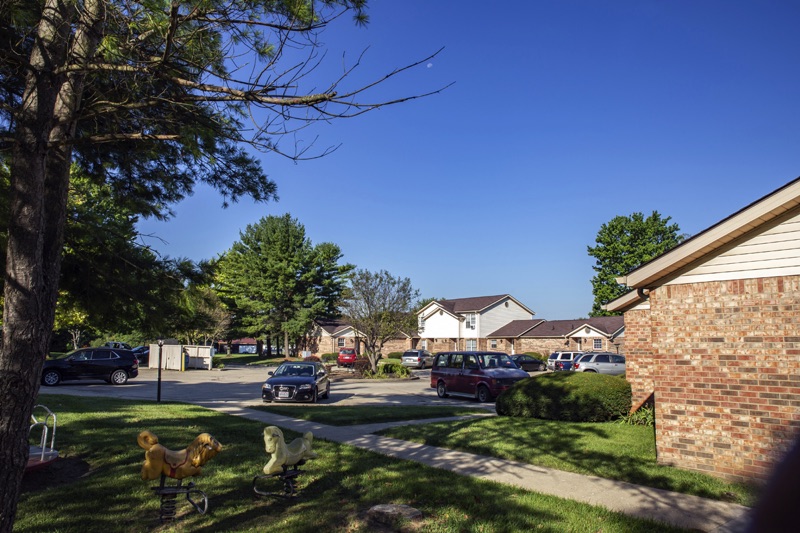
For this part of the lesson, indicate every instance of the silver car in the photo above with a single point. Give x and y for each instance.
(601, 363)
(417, 358)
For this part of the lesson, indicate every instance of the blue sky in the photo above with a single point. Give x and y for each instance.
(563, 115)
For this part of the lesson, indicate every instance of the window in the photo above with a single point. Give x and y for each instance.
(340, 342)
(493, 343)
(421, 324)
(470, 322)
(472, 362)
(598, 344)
(424, 344)
(472, 345)
(603, 358)
(456, 360)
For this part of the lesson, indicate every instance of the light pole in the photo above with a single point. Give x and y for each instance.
(160, 349)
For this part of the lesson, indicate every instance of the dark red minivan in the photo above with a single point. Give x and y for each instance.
(479, 375)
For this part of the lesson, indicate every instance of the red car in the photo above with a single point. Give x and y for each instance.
(347, 357)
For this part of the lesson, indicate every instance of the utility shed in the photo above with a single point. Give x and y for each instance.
(712, 334)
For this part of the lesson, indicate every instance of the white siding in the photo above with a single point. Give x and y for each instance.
(499, 315)
(775, 252)
(441, 326)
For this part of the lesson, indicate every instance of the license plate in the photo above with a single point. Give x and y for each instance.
(283, 395)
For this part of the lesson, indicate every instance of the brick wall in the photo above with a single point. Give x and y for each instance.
(396, 345)
(726, 367)
(639, 354)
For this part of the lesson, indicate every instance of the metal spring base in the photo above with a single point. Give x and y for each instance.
(287, 477)
(169, 498)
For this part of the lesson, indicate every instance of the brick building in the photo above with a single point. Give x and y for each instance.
(329, 335)
(713, 336)
(605, 334)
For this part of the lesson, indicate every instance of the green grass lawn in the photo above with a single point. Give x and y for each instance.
(249, 359)
(354, 415)
(610, 450)
(104, 492)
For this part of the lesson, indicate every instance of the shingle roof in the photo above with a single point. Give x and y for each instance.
(469, 305)
(332, 325)
(607, 324)
(516, 328)
(554, 328)
(557, 328)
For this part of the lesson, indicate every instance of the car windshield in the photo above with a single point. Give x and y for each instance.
(293, 369)
(496, 361)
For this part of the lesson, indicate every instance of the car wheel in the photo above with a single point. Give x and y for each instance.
(441, 390)
(119, 377)
(590, 370)
(51, 378)
(483, 394)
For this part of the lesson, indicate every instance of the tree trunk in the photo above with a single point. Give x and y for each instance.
(39, 183)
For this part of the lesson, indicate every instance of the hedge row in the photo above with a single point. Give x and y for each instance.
(570, 396)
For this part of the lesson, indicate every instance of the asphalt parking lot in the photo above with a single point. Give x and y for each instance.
(242, 385)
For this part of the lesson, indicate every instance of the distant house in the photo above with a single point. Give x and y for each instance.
(546, 336)
(245, 345)
(465, 323)
(713, 336)
(332, 334)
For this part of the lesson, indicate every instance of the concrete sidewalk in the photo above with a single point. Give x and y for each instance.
(682, 510)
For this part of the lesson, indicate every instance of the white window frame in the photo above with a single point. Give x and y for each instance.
(470, 321)
(597, 344)
(340, 342)
(471, 345)
(493, 343)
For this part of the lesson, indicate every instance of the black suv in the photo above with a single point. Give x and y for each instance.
(114, 365)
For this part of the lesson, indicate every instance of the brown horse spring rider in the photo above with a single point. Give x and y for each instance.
(176, 464)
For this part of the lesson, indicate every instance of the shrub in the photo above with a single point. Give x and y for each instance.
(569, 396)
(395, 355)
(362, 366)
(644, 416)
(312, 358)
(329, 357)
(394, 369)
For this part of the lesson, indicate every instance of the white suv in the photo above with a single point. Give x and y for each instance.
(560, 357)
